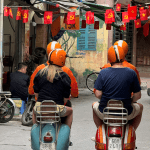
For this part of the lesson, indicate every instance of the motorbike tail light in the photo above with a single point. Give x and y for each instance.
(99, 146)
(114, 131)
(48, 137)
(130, 146)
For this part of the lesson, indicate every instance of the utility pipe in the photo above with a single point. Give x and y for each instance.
(1, 44)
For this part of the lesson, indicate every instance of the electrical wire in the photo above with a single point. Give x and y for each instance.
(11, 24)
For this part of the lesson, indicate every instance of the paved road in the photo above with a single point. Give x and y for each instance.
(14, 136)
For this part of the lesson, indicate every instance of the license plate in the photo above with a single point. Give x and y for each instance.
(114, 144)
(47, 146)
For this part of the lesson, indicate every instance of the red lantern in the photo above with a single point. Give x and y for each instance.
(48, 17)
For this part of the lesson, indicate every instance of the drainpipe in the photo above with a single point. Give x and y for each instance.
(1, 43)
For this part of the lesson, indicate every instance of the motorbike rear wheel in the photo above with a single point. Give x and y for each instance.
(8, 109)
(27, 115)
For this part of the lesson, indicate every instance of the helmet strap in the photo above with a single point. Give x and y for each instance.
(50, 57)
(117, 53)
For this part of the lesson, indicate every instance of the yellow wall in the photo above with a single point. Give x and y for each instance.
(90, 60)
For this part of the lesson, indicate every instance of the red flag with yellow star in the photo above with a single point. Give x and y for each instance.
(109, 16)
(71, 18)
(137, 23)
(141, 8)
(123, 27)
(18, 17)
(48, 17)
(143, 15)
(25, 16)
(125, 17)
(132, 12)
(146, 29)
(118, 7)
(10, 13)
(89, 17)
(6, 11)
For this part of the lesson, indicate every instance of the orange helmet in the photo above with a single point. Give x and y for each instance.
(116, 54)
(52, 46)
(57, 57)
(122, 44)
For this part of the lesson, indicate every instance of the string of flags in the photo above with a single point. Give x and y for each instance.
(48, 17)
(132, 13)
(20, 13)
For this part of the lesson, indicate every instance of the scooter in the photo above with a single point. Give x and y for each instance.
(27, 115)
(49, 133)
(7, 107)
(115, 133)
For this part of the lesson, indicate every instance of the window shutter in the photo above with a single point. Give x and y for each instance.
(88, 38)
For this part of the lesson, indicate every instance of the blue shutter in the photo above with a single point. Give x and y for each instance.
(88, 38)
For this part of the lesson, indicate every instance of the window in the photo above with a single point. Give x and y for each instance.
(87, 39)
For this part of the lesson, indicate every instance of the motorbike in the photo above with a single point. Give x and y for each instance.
(49, 133)
(116, 133)
(7, 107)
(27, 114)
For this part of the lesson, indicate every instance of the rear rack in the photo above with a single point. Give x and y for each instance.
(48, 112)
(115, 114)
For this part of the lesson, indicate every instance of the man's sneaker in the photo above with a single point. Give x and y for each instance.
(93, 139)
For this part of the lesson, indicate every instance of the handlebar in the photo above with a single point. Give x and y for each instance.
(5, 93)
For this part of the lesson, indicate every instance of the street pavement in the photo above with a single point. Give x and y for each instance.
(14, 136)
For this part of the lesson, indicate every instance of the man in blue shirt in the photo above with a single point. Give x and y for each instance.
(117, 82)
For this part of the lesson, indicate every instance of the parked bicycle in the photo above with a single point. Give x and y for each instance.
(91, 79)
